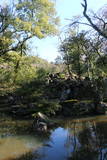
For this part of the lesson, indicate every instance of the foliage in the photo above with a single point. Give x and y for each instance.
(102, 68)
(19, 22)
(30, 68)
(83, 54)
(23, 20)
(72, 49)
(95, 49)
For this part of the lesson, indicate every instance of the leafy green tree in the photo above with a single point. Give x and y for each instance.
(26, 19)
(74, 53)
(80, 53)
(100, 64)
(30, 68)
(22, 21)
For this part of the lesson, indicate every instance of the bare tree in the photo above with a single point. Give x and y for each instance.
(101, 30)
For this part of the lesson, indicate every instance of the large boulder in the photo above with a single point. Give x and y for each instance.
(42, 123)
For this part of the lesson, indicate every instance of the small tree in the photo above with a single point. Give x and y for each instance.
(78, 54)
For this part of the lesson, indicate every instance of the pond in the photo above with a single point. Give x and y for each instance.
(76, 139)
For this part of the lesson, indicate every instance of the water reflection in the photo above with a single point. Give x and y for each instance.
(18, 140)
(78, 140)
(92, 142)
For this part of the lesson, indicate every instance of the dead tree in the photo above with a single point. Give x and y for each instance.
(102, 31)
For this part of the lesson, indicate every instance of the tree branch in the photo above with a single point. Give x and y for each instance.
(77, 22)
(2, 52)
(102, 33)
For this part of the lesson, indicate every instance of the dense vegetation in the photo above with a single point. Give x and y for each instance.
(34, 92)
(21, 74)
(25, 78)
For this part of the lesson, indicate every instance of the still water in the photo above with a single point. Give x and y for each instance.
(77, 139)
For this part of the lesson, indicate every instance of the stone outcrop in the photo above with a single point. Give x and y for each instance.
(81, 96)
(78, 108)
(42, 123)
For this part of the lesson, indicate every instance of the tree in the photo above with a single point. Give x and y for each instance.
(97, 21)
(80, 53)
(23, 20)
(101, 25)
(26, 19)
(74, 53)
(102, 68)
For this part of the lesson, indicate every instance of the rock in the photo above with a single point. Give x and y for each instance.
(41, 126)
(64, 94)
(83, 108)
(104, 105)
(101, 108)
(40, 122)
(42, 116)
(11, 99)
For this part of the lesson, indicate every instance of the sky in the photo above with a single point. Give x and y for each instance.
(48, 48)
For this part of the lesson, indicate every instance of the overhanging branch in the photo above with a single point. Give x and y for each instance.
(101, 32)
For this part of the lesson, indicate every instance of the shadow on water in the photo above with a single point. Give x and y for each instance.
(79, 139)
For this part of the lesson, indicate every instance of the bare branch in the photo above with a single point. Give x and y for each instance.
(101, 20)
(77, 22)
(94, 26)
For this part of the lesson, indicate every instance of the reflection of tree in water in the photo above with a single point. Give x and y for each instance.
(72, 140)
(89, 142)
